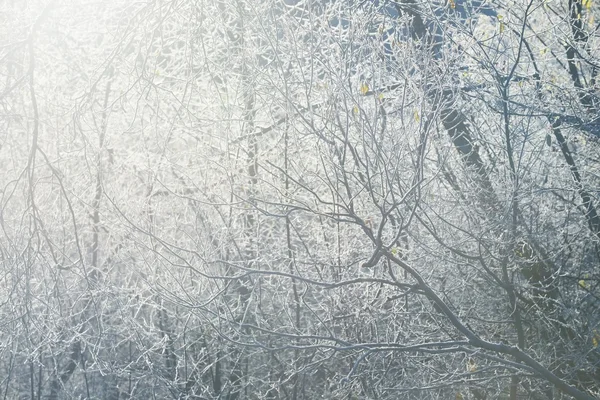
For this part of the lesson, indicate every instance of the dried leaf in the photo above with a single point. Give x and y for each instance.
(471, 365)
(364, 88)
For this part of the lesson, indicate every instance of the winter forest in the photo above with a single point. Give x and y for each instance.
(299, 199)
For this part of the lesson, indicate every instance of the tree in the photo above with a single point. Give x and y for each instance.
(300, 199)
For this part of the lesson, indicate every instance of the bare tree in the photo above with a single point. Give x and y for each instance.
(299, 199)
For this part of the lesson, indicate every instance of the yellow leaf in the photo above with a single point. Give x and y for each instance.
(587, 4)
(380, 96)
(394, 251)
(544, 51)
(471, 366)
(364, 88)
(452, 3)
(591, 21)
(519, 252)
(417, 117)
(583, 284)
(595, 341)
(355, 110)
(459, 396)
(501, 27)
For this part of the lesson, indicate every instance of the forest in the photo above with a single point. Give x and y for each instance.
(299, 199)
